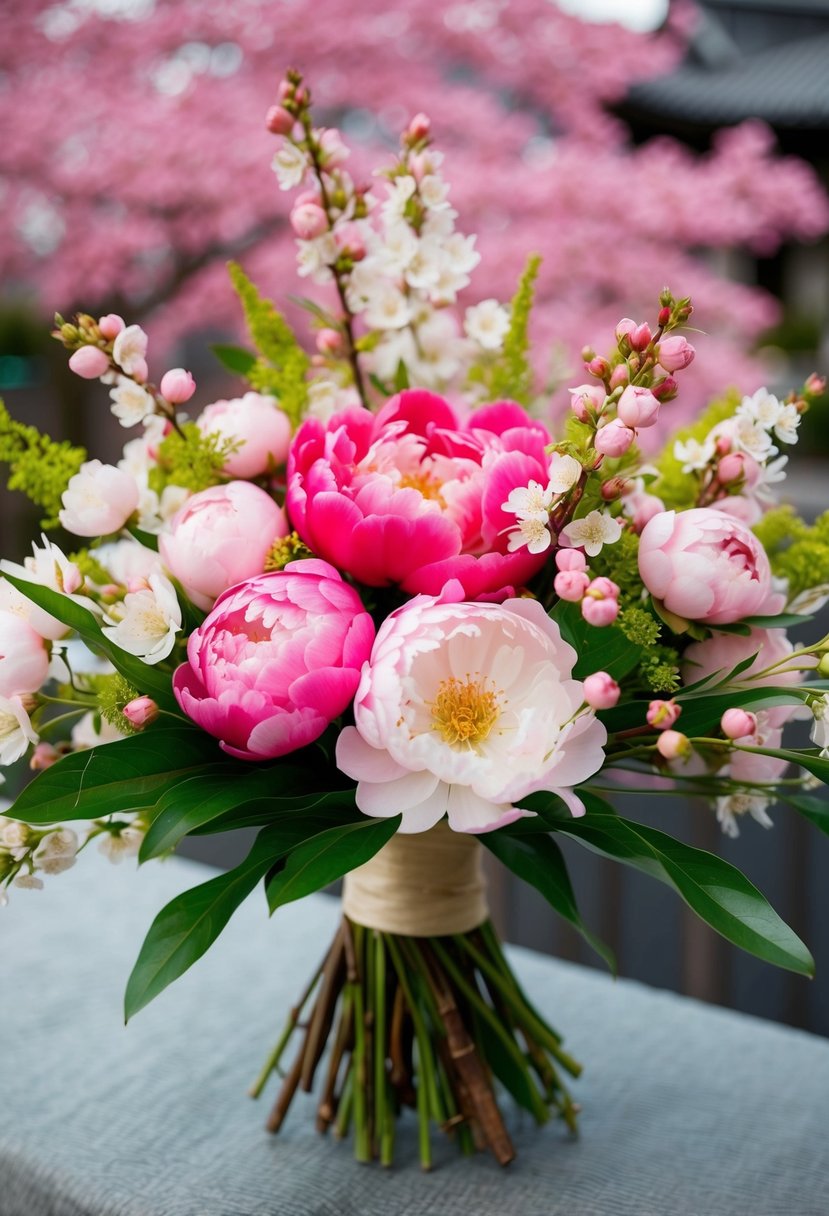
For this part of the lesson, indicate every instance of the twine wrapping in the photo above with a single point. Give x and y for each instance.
(426, 884)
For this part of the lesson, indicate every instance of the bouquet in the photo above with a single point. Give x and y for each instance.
(380, 610)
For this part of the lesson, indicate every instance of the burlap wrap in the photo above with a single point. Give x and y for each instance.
(423, 885)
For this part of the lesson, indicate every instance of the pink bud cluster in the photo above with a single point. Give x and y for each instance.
(599, 597)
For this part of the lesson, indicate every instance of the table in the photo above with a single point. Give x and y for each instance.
(688, 1110)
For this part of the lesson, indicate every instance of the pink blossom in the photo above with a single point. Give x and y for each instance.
(413, 494)
(177, 386)
(584, 398)
(732, 467)
(220, 537)
(704, 565)
(718, 655)
(308, 221)
(673, 745)
(277, 659)
(111, 325)
(614, 438)
(571, 585)
(329, 341)
(662, 715)
(674, 353)
(419, 127)
(428, 741)
(141, 711)
(24, 659)
(737, 723)
(257, 424)
(637, 407)
(599, 612)
(279, 121)
(89, 362)
(570, 559)
(601, 691)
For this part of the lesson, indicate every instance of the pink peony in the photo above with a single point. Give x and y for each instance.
(219, 537)
(464, 709)
(276, 661)
(720, 654)
(704, 565)
(24, 660)
(261, 429)
(413, 495)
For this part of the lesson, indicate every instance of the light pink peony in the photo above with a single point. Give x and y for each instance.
(720, 654)
(704, 565)
(413, 495)
(464, 709)
(24, 660)
(276, 661)
(219, 537)
(262, 430)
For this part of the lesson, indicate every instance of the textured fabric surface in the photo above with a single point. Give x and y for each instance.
(687, 1110)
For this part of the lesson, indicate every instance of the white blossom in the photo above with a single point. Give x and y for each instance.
(16, 731)
(530, 502)
(131, 403)
(731, 806)
(290, 164)
(590, 533)
(820, 726)
(56, 852)
(315, 258)
(785, 428)
(115, 846)
(487, 324)
(30, 882)
(98, 500)
(91, 731)
(564, 473)
(48, 567)
(533, 532)
(694, 455)
(434, 192)
(810, 601)
(749, 436)
(129, 350)
(398, 246)
(145, 624)
(762, 407)
(387, 308)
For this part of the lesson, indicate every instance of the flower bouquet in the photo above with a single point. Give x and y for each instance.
(390, 627)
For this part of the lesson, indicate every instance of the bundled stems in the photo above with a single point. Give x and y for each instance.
(427, 1023)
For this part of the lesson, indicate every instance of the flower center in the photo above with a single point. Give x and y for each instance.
(464, 712)
(424, 483)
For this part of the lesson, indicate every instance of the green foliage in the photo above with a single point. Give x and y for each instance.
(659, 669)
(324, 858)
(114, 692)
(39, 467)
(282, 369)
(510, 375)
(606, 649)
(190, 459)
(797, 552)
(620, 563)
(639, 626)
(90, 567)
(676, 489)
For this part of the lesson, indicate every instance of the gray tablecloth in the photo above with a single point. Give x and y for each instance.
(686, 1109)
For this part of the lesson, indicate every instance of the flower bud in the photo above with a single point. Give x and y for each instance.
(731, 468)
(329, 341)
(604, 588)
(570, 585)
(601, 691)
(613, 489)
(571, 559)
(737, 723)
(141, 711)
(823, 666)
(614, 439)
(674, 353)
(665, 389)
(642, 509)
(662, 715)
(723, 445)
(419, 127)
(663, 316)
(43, 756)
(637, 407)
(349, 240)
(619, 376)
(599, 367)
(640, 337)
(177, 386)
(624, 328)
(673, 745)
(599, 612)
(815, 385)
(111, 325)
(309, 221)
(279, 121)
(89, 362)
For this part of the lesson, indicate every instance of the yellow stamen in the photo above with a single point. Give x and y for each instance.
(464, 712)
(424, 483)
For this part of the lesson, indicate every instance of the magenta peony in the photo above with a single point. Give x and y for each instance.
(464, 709)
(704, 565)
(413, 495)
(277, 659)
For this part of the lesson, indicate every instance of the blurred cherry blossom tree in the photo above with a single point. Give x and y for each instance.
(135, 160)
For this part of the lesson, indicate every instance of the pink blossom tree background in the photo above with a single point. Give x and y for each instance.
(135, 161)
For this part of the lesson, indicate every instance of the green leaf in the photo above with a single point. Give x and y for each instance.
(326, 857)
(785, 620)
(148, 539)
(718, 892)
(125, 775)
(148, 679)
(186, 928)
(816, 810)
(702, 713)
(235, 358)
(536, 859)
(606, 649)
(809, 758)
(401, 377)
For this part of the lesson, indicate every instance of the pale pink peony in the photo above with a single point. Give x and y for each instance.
(220, 537)
(276, 661)
(260, 427)
(464, 709)
(704, 565)
(720, 654)
(24, 660)
(413, 495)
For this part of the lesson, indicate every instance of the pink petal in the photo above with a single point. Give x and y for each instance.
(362, 762)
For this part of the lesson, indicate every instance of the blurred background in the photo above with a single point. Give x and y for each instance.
(633, 143)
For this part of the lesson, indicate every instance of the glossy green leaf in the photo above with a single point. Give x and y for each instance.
(718, 892)
(809, 758)
(701, 713)
(786, 620)
(605, 649)
(125, 775)
(146, 678)
(235, 358)
(535, 858)
(815, 809)
(326, 857)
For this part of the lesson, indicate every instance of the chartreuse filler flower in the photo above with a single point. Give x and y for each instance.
(390, 614)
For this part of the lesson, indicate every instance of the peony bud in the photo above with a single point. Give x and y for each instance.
(662, 715)
(141, 711)
(570, 585)
(599, 612)
(731, 468)
(637, 407)
(177, 386)
(674, 353)
(614, 439)
(571, 559)
(419, 127)
(601, 691)
(738, 723)
(111, 325)
(89, 362)
(329, 342)
(279, 121)
(309, 221)
(673, 745)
